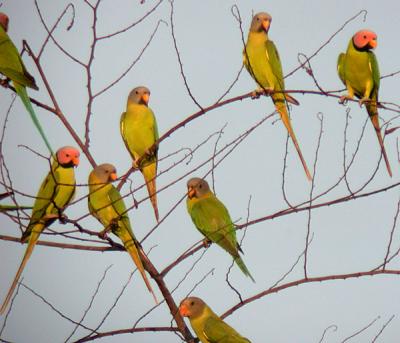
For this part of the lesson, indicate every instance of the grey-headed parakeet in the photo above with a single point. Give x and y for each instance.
(212, 219)
(261, 59)
(12, 67)
(139, 131)
(108, 207)
(358, 69)
(55, 193)
(208, 327)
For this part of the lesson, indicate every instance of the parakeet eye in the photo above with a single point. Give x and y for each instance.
(137, 92)
(365, 37)
(200, 186)
(191, 303)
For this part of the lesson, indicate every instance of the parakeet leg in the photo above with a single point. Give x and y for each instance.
(261, 91)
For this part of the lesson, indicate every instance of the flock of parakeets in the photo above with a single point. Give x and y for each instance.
(357, 68)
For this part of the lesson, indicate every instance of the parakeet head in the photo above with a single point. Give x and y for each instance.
(197, 188)
(4, 21)
(191, 307)
(365, 40)
(139, 95)
(104, 173)
(68, 156)
(261, 22)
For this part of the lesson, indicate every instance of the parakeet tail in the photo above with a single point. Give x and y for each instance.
(133, 251)
(149, 173)
(28, 252)
(282, 109)
(243, 267)
(21, 90)
(373, 115)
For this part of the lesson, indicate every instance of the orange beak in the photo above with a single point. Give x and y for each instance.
(113, 176)
(265, 25)
(373, 43)
(183, 311)
(191, 192)
(145, 98)
(75, 161)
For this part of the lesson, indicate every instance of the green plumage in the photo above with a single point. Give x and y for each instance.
(261, 59)
(55, 193)
(12, 66)
(208, 327)
(107, 206)
(212, 219)
(139, 132)
(358, 70)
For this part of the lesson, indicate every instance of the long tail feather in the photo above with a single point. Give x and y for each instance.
(373, 115)
(149, 173)
(21, 90)
(243, 267)
(28, 252)
(133, 251)
(280, 106)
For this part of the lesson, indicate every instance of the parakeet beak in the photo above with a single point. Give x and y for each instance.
(373, 43)
(113, 176)
(265, 24)
(145, 98)
(191, 192)
(75, 161)
(183, 311)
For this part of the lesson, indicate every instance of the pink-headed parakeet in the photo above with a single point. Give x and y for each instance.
(358, 69)
(55, 193)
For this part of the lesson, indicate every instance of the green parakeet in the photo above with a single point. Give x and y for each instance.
(212, 219)
(358, 69)
(262, 61)
(54, 195)
(208, 327)
(12, 67)
(139, 131)
(108, 207)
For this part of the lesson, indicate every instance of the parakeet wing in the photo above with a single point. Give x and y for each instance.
(275, 62)
(340, 67)
(373, 63)
(11, 64)
(212, 219)
(217, 331)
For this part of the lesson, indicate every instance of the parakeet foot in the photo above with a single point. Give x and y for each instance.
(363, 101)
(4, 82)
(344, 98)
(63, 218)
(206, 242)
(103, 233)
(135, 164)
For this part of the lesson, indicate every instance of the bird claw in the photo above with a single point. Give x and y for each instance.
(4, 82)
(261, 91)
(363, 101)
(206, 242)
(344, 98)
(135, 164)
(102, 234)
(63, 218)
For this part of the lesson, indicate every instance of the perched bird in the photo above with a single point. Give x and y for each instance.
(208, 327)
(262, 61)
(358, 69)
(139, 131)
(212, 219)
(12, 67)
(55, 193)
(107, 206)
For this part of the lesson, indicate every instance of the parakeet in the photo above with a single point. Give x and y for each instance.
(212, 219)
(262, 61)
(12, 67)
(107, 206)
(139, 131)
(208, 327)
(54, 195)
(358, 69)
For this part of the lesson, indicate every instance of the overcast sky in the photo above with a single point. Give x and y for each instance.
(347, 237)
